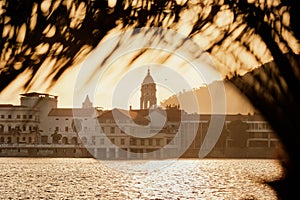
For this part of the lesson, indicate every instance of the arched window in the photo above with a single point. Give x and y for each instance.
(65, 140)
(1, 128)
(74, 140)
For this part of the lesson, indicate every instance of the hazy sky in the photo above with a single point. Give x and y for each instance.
(121, 60)
(115, 81)
(111, 74)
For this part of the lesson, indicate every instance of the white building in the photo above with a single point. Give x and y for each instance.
(71, 123)
(19, 124)
(25, 122)
(148, 132)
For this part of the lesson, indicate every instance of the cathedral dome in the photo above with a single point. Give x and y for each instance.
(148, 79)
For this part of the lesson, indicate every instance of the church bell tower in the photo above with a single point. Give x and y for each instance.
(148, 92)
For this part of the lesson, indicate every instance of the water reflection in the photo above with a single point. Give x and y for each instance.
(60, 178)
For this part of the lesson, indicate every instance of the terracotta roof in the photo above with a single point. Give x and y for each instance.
(70, 112)
(122, 115)
(235, 117)
(139, 116)
(173, 115)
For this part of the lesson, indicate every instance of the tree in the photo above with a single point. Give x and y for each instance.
(65, 31)
(56, 137)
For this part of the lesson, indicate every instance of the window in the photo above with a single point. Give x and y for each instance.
(65, 140)
(18, 116)
(24, 116)
(132, 141)
(24, 127)
(57, 128)
(66, 129)
(9, 116)
(150, 142)
(157, 141)
(67, 118)
(74, 140)
(30, 116)
(122, 141)
(142, 142)
(112, 129)
(112, 140)
(9, 128)
(2, 117)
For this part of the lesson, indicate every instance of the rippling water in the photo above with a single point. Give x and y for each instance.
(80, 178)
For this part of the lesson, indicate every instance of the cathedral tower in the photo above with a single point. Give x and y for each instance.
(148, 92)
(87, 103)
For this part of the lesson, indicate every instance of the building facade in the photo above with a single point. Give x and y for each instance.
(19, 124)
(37, 127)
(68, 122)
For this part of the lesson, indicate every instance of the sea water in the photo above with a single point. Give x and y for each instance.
(87, 178)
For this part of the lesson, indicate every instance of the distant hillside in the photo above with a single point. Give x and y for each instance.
(236, 102)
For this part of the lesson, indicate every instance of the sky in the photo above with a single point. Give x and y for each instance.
(116, 81)
(112, 76)
(112, 73)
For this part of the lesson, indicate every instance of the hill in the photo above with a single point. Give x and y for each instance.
(236, 102)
